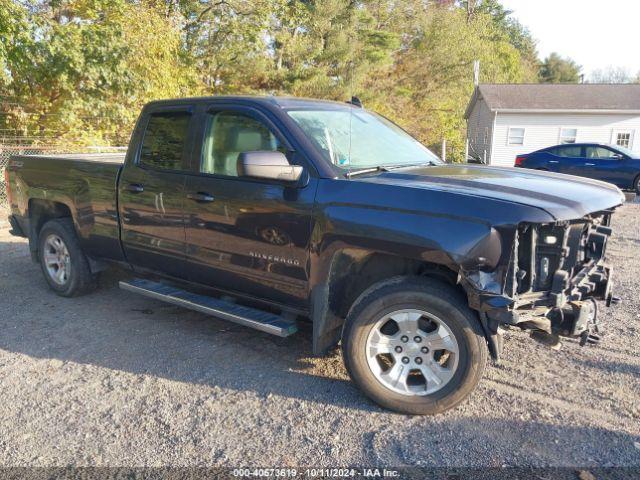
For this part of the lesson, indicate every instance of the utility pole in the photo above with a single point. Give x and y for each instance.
(444, 149)
(466, 150)
(476, 73)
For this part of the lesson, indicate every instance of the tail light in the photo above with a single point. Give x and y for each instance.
(6, 186)
(520, 160)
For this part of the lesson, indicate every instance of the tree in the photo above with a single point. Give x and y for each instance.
(611, 75)
(557, 69)
(79, 70)
(505, 26)
(431, 83)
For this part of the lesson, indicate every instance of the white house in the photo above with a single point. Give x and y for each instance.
(505, 120)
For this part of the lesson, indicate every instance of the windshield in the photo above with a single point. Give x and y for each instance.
(357, 139)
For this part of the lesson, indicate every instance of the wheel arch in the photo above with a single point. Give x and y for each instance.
(354, 271)
(40, 212)
(636, 184)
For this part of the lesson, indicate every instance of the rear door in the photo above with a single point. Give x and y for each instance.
(151, 192)
(243, 235)
(566, 159)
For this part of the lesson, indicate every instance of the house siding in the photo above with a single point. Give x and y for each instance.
(480, 130)
(543, 130)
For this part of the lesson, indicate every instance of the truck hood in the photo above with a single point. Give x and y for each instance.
(564, 197)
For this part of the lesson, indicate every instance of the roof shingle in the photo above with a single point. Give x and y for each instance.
(548, 96)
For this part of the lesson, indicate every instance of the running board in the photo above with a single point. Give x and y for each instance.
(249, 317)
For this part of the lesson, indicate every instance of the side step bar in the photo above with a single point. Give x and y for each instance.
(249, 317)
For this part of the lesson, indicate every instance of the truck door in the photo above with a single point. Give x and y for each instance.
(151, 192)
(245, 235)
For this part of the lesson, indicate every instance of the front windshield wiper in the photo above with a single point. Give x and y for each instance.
(379, 168)
(386, 168)
(430, 163)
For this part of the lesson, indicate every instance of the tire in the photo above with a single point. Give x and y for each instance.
(636, 185)
(57, 239)
(437, 304)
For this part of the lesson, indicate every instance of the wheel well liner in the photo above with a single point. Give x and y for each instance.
(40, 212)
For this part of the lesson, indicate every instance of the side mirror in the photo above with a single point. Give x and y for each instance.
(268, 166)
(618, 156)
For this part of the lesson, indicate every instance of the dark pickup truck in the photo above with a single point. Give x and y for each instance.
(272, 211)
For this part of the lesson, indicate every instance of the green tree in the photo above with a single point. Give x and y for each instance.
(557, 69)
(77, 71)
(325, 48)
(516, 33)
(432, 81)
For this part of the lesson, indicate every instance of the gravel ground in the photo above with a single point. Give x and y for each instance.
(115, 379)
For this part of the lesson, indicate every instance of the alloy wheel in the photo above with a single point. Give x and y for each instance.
(412, 352)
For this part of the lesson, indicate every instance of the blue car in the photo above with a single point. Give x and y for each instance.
(609, 163)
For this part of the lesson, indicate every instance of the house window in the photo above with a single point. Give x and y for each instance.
(623, 139)
(516, 136)
(568, 135)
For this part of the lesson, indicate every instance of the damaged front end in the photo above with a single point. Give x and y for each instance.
(555, 274)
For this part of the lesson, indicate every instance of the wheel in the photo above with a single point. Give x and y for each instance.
(636, 185)
(414, 346)
(64, 265)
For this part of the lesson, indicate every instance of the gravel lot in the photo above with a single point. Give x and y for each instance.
(117, 379)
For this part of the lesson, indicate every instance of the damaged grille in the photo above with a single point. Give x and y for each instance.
(550, 255)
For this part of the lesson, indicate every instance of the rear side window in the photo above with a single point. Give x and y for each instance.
(567, 151)
(164, 140)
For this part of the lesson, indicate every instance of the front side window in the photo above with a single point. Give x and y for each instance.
(164, 140)
(516, 136)
(623, 139)
(350, 137)
(568, 135)
(227, 135)
(600, 153)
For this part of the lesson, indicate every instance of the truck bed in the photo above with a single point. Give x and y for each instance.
(84, 182)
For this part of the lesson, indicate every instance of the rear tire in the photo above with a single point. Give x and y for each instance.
(64, 265)
(446, 328)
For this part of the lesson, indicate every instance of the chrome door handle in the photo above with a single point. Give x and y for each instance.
(200, 197)
(589, 164)
(553, 161)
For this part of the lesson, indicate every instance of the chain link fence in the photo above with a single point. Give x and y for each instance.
(7, 151)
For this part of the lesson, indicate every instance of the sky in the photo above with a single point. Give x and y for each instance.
(595, 33)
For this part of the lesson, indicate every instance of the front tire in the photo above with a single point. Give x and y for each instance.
(64, 265)
(636, 185)
(414, 346)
